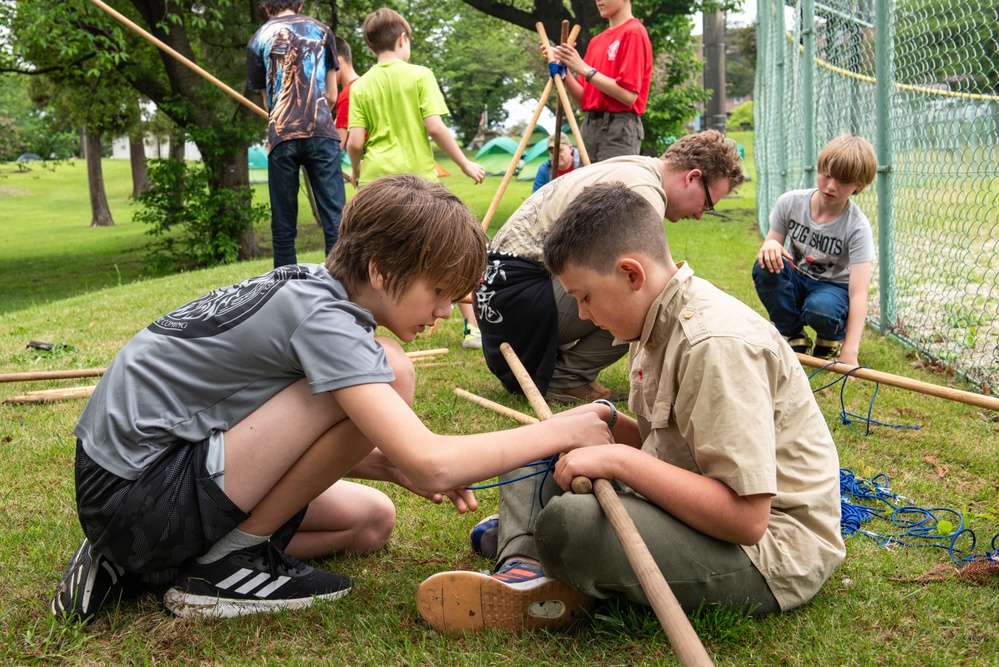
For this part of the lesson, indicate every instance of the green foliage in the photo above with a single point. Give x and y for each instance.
(741, 114)
(675, 94)
(196, 225)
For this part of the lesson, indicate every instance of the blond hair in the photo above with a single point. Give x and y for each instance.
(408, 229)
(849, 159)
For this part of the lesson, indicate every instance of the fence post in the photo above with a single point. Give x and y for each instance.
(884, 75)
(808, 84)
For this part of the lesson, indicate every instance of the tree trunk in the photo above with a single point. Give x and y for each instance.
(100, 213)
(229, 169)
(137, 154)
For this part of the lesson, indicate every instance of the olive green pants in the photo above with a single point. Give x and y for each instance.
(575, 543)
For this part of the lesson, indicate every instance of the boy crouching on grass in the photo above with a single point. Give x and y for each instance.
(214, 448)
(728, 469)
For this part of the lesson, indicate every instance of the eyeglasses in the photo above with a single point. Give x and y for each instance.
(711, 205)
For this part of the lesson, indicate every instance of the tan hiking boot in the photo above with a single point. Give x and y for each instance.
(519, 596)
(584, 393)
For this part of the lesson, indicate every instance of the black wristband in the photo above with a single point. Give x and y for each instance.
(589, 75)
(613, 417)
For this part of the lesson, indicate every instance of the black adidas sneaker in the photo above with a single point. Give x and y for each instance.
(90, 581)
(251, 581)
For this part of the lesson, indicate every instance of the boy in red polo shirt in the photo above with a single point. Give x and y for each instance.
(611, 83)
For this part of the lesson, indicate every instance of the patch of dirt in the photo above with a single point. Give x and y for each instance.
(10, 192)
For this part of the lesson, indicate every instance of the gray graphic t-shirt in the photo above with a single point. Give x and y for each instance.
(208, 364)
(822, 251)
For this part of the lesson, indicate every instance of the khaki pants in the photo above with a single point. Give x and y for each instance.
(611, 135)
(575, 543)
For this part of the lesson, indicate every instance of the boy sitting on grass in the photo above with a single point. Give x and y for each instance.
(728, 469)
(217, 442)
(824, 278)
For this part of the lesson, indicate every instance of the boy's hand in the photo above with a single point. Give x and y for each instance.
(566, 54)
(474, 171)
(583, 425)
(463, 499)
(771, 256)
(590, 462)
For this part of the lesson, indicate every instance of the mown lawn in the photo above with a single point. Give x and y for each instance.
(869, 612)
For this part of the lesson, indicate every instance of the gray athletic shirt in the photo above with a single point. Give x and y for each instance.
(823, 252)
(205, 366)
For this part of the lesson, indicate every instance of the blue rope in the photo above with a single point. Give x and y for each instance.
(916, 526)
(549, 467)
(557, 69)
(848, 418)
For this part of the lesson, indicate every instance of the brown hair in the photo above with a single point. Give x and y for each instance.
(343, 50)
(604, 222)
(272, 7)
(382, 28)
(849, 159)
(709, 151)
(409, 228)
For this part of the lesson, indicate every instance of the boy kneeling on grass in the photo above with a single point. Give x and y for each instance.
(728, 470)
(213, 451)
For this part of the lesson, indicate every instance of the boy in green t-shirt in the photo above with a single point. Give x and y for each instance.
(398, 104)
(393, 108)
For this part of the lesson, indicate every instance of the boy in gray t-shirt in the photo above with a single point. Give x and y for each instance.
(213, 451)
(823, 278)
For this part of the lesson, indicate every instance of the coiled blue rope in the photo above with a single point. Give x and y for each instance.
(916, 526)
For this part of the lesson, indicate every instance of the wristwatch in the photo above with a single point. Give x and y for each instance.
(590, 74)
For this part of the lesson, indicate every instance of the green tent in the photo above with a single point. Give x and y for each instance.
(496, 154)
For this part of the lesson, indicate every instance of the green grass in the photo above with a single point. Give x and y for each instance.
(860, 617)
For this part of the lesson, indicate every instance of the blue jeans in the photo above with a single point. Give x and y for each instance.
(794, 300)
(321, 158)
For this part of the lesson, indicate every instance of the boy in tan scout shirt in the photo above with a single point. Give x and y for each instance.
(728, 468)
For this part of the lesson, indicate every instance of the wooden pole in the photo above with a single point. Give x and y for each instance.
(256, 108)
(681, 634)
(967, 397)
(569, 115)
(51, 395)
(183, 61)
(542, 101)
(557, 146)
(51, 375)
(496, 407)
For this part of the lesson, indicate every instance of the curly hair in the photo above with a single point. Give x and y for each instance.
(709, 151)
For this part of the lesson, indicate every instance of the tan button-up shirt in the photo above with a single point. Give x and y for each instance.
(717, 391)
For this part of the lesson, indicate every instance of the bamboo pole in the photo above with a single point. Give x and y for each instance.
(496, 407)
(51, 395)
(569, 115)
(228, 90)
(681, 633)
(51, 375)
(528, 131)
(966, 397)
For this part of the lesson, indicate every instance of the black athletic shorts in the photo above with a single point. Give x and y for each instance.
(174, 511)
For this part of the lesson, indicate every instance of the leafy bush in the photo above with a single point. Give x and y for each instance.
(741, 114)
(196, 225)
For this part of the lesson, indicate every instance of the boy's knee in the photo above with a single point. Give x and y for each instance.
(561, 531)
(405, 373)
(377, 528)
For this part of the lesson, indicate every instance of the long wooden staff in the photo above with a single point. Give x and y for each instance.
(681, 634)
(528, 131)
(256, 108)
(901, 382)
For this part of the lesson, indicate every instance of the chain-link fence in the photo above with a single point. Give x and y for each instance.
(919, 79)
